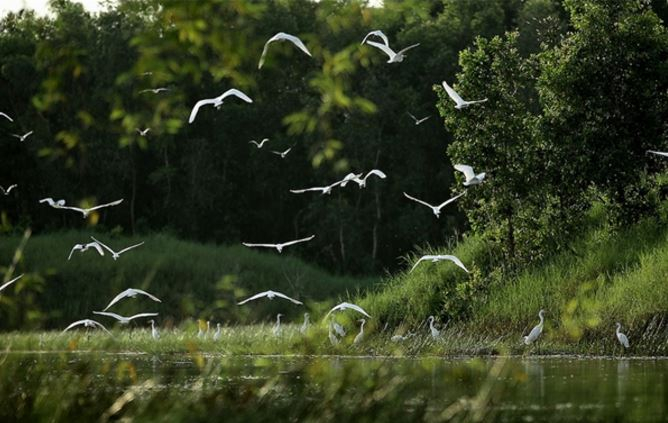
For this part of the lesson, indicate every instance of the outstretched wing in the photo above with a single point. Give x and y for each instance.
(452, 93)
(153, 297)
(466, 170)
(377, 33)
(297, 241)
(113, 203)
(97, 247)
(99, 325)
(453, 259)
(74, 324)
(659, 153)
(6, 284)
(237, 93)
(301, 191)
(445, 203)
(117, 298)
(110, 314)
(254, 297)
(137, 316)
(387, 50)
(418, 201)
(294, 40)
(376, 172)
(408, 48)
(5, 115)
(259, 245)
(130, 247)
(278, 294)
(106, 248)
(77, 247)
(419, 261)
(193, 112)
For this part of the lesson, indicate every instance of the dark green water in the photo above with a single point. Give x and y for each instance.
(99, 387)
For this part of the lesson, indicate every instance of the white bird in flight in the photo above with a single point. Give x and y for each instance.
(279, 247)
(435, 259)
(142, 132)
(659, 153)
(377, 33)
(89, 323)
(350, 177)
(8, 190)
(259, 144)
(5, 115)
(362, 181)
(271, 295)
(347, 306)
(323, 190)
(435, 209)
(154, 90)
(55, 204)
(395, 57)
(470, 175)
(621, 337)
(217, 102)
(418, 121)
(130, 293)
(116, 255)
(282, 153)
(82, 248)
(536, 331)
(282, 36)
(85, 212)
(22, 137)
(461, 103)
(124, 320)
(6, 284)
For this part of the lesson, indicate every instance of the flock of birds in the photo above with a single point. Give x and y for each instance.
(471, 178)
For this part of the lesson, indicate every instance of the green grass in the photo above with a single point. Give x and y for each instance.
(193, 280)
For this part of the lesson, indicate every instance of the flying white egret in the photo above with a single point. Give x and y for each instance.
(217, 102)
(216, 335)
(154, 331)
(259, 144)
(461, 103)
(659, 153)
(360, 336)
(130, 293)
(9, 189)
(282, 153)
(377, 33)
(22, 137)
(348, 306)
(6, 284)
(435, 209)
(350, 177)
(418, 121)
(124, 320)
(470, 175)
(282, 36)
(86, 212)
(362, 181)
(142, 132)
(279, 247)
(116, 255)
(323, 190)
(6, 116)
(537, 330)
(154, 90)
(435, 333)
(621, 337)
(271, 295)
(332, 336)
(82, 248)
(88, 323)
(276, 330)
(435, 259)
(55, 204)
(395, 57)
(305, 324)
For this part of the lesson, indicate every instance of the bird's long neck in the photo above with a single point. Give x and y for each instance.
(431, 324)
(542, 319)
(362, 327)
(618, 328)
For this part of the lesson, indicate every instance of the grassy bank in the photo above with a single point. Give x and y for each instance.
(192, 280)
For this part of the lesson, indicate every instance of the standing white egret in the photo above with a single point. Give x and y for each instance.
(200, 331)
(360, 336)
(216, 335)
(282, 36)
(435, 333)
(208, 328)
(460, 102)
(435, 259)
(470, 175)
(217, 102)
(259, 144)
(332, 336)
(6, 284)
(22, 137)
(276, 330)
(154, 331)
(348, 306)
(8, 190)
(435, 209)
(124, 320)
(282, 153)
(6, 116)
(116, 255)
(305, 324)
(271, 295)
(621, 337)
(418, 121)
(130, 293)
(82, 248)
(88, 323)
(537, 330)
(142, 132)
(279, 247)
